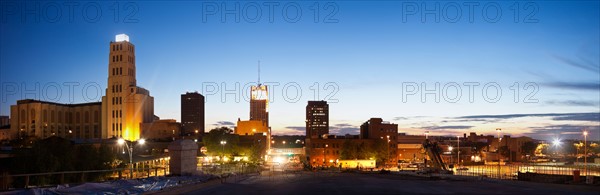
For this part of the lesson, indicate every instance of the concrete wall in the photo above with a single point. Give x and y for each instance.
(183, 157)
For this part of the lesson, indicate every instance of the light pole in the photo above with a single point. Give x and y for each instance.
(585, 133)
(498, 150)
(388, 149)
(223, 142)
(122, 141)
(324, 157)
(458, 151)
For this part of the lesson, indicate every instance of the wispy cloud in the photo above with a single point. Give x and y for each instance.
(296, 128)
(582, 63)
(562, 131)
(593, 117)
(447, 127)
(400, 118)
(589, 86)
(224, 123)
(590, 116)
(343, 129)
(573, 103)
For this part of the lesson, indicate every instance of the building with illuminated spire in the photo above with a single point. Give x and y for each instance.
(126, 106)
(259, 104)
(258, 125)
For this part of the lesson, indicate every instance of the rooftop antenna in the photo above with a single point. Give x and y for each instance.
(259, 73)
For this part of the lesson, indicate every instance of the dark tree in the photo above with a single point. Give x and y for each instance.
(381, 151)
(504, 151)
(213, 139)
(529, 147)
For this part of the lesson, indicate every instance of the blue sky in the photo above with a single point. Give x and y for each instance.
(366, 50)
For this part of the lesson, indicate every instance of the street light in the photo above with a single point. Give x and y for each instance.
(585, 133)
(324, 157)
(498, 150)
(223, 142)
(388, 148)
(122, 141)
(556, 142)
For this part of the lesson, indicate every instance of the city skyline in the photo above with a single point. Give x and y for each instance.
(372, 77)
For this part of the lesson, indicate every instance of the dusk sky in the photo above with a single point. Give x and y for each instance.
(373, 57)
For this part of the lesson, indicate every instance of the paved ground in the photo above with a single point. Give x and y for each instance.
(353, 183)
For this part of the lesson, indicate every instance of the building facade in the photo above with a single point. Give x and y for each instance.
(4, 121)
(166, 129)
(317, 119)
(410, 147)
(259, 104)
(42, 119)
(192, 113)
(125, 106)
(251, 127)
(5, 128)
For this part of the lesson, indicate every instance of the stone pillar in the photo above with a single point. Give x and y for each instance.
(183, 157)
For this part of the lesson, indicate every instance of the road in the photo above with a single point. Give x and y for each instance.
(354, 183)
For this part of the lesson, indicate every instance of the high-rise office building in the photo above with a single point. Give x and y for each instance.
(125, 105)
(317, 119)
(259, 104)
(192, 113)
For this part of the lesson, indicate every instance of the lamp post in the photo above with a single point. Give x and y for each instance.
(324, 157)
(388, 149)
(223, 142)
(585, 133)
(122, 141)
(498, 150)
(458, 151)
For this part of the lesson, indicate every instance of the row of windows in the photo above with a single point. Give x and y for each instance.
(68, 116)
(69, 132)
(117, 88)
(117, 100)
(334, 145)
(117, 71)
(118, 58)
(117, 114)
(117, 126)
(388, 130)
(119, 47)
(332, 152)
